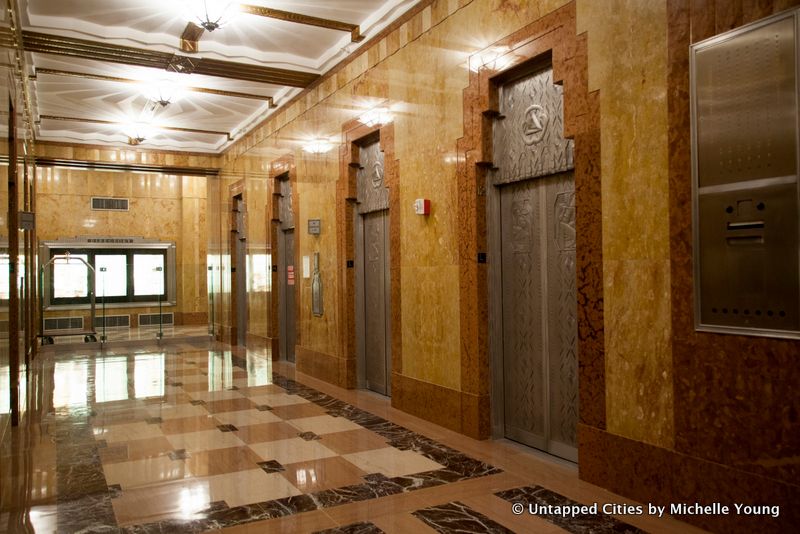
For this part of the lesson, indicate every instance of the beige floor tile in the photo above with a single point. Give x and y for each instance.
(205, 440)
(176, 411)
(277, 399)
(246, 417)
(325, 424)
(138, 449)
(266, 432)
(298, 411)
(268, 389)
(221, 461)
(392, 462)
(327, 473)
(403, 523)
(247, 487)
(127, 432)
(185, 425)
(353, 441)
(175, 500)
(215, 395)
(229, 405)
(290, 451)
(144, 472)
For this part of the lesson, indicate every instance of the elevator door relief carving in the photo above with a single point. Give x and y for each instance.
(529, 137)
(285, 205)
(372, 192)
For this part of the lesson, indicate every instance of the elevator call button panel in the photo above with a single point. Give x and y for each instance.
(746, 199)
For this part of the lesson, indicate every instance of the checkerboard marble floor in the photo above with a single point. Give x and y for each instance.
(207, 438)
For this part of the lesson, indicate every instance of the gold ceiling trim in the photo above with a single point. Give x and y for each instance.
(102, 77)
(115, 123)
(85, 49)
(308, 20)
(190, 37)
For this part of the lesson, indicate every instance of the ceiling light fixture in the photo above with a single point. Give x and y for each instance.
(137, 132)
(163, 92)
(212, 14)
(376, 117)
(318, 146)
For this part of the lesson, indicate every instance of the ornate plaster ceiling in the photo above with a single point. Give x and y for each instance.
(94, 64)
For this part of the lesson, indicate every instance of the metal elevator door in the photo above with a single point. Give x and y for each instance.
(241, 271)
(539, 307)
(376, 301)
(288, 323)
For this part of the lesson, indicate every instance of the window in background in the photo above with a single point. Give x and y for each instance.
(71, 278)
(148, 274)
(114, 281)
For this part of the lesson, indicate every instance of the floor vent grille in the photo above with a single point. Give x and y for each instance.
(113, 321)
(63, 323)
(151, 319)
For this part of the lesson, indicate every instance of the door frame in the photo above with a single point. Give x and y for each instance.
(347, 228)
(553, 39)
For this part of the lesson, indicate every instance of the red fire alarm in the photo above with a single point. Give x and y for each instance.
(422, 206)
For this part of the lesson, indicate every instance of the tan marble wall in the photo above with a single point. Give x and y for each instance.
(628, 65)
(163, 207)
(420, 70)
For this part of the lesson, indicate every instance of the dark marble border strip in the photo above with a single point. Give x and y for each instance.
(457, 467)
(579, 524)
(458, 517)
(363, 527)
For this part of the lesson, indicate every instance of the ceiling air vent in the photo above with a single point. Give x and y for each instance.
(109, 204)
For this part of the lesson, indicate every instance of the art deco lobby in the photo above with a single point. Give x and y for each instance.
(400, 266)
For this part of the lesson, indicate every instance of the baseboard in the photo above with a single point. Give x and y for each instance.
(661, 476)
(431, 402)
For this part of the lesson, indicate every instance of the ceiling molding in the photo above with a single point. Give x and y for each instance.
(102, 77)
(70, 46)
(190, 38)
(308, 20)
(123, 167)
(115, 123)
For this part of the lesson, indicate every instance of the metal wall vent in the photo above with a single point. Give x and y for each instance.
(113, 321)
(109, 204)
(151, 319)
(63, 323)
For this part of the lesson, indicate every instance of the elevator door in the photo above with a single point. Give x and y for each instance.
(539, 313)
(288, 333)
(376, 302)
(240, 244)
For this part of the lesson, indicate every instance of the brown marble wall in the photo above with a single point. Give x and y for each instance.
(736, 397)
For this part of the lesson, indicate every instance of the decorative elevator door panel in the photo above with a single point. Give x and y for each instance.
(376, 301)
(372, 192)
(529, 134)
(285, 205)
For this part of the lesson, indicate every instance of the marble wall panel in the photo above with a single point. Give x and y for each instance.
(628, 65)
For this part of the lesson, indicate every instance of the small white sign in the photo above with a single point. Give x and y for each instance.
(306, 267)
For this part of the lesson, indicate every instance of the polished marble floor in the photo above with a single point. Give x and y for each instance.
(142, 333)
(195, 437)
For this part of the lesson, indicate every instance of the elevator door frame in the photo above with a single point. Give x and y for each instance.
(360, 304)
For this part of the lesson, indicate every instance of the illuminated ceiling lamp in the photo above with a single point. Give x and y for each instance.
(137, 132)
(318, 146)
(163, 92)
(376, 117)
(211, 14)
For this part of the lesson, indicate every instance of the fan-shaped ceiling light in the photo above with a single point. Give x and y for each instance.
(318, 146)
(376, 117)
(211, 14)
(137, 132)
(163, 92)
